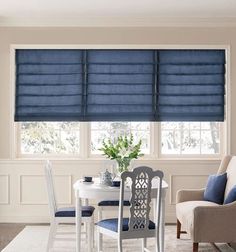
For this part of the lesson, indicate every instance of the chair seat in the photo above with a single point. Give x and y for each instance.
(113, 203)
(87, 211)
(112, 224)
(185, 213)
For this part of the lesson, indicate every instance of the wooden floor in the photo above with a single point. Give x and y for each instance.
(8, 232)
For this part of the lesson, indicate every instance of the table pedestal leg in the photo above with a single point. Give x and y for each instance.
(162, 224)
(78, 222)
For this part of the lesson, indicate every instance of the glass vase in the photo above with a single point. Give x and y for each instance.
(122, 165)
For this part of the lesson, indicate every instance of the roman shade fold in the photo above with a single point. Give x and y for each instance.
(119, 85)
(191, 85)
(49, 85)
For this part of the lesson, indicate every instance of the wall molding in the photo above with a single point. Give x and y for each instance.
(99, 160)
(22, 202)
(172, 176)
(106, 22)
(7, 202)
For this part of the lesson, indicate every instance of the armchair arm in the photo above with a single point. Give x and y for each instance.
(215, 223)
(188, 195)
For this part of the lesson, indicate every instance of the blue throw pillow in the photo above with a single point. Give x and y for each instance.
(231, 196)
(215, 188)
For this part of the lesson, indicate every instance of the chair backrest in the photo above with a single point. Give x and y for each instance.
(50, 189)
(224, 164)
(141, 188)
(231, 173)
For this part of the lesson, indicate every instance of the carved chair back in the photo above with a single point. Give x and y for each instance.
(141, 195)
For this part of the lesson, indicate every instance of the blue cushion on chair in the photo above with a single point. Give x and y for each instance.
(87, 211)
(113, 203)
(112, 224)
(215, 188)
(231, 196)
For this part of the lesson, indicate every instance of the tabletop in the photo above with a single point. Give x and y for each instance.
(95, 190)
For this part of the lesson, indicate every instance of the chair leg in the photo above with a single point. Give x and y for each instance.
(92, 231)
(51, 236)
(195, 247)
(158, 241)
(86, 230)
(99, 213)
(178, 229)
(120, 245)
(99, 240)
(144, 244)
(90, 240)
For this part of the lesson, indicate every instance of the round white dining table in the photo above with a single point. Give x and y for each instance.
(96, 191)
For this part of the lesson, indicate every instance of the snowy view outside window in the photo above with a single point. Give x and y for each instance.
(104, 130)
(190, 138)
(63, 138)
(50, 137)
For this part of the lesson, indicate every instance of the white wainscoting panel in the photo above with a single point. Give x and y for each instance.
(4, 189)
(182, 181)
(23, 196)
(33, 189)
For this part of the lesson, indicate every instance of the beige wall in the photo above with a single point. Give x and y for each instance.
(18, 201)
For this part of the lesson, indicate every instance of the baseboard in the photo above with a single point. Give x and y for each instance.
(170, 218)
(24, 219)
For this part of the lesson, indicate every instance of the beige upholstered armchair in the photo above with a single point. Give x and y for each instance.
(207, 221)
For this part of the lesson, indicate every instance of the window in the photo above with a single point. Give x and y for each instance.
(177, 139)
(49, 138)
(180, 70)
(190, 138)
(101, 130)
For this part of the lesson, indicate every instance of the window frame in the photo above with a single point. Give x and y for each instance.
(197, 156)
(146, 156)
(43, 156)
(155, 128)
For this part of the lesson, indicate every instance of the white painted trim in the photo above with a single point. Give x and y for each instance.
(92, 161)
(227, 129)
(21, 202)
(12, 134)
(172, 199)
(119, 46)
(7, 202)
(116, 21)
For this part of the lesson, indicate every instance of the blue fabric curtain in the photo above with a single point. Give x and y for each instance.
(119, 85)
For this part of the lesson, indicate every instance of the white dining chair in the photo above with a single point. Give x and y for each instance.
(138, 224)
(110, 205)
(65, 215)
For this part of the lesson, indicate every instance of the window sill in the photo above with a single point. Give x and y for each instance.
(100, 159)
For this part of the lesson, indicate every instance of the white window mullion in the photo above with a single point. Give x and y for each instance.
(84, 140)
(156, 141)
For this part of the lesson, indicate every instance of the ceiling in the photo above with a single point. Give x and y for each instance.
(116, 12)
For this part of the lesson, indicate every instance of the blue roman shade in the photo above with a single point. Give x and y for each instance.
(119, 85)
(49, 85)
(191, 85)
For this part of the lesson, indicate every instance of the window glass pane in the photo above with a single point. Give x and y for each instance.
(104, 130)
(210, 142)
(190, 138)
(190, 142)
(49, 138)
(170, 141)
